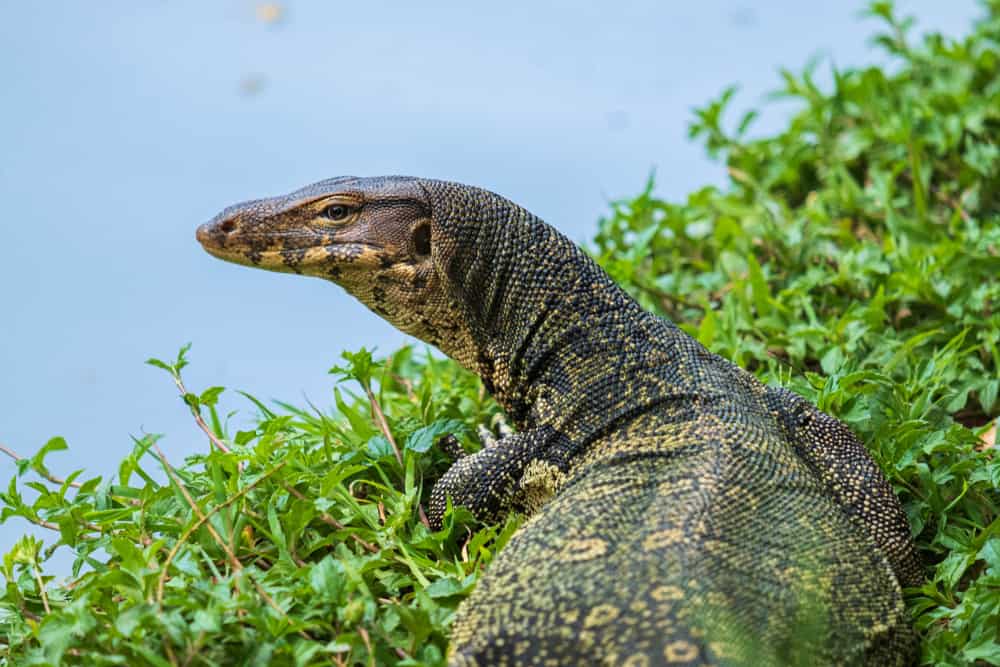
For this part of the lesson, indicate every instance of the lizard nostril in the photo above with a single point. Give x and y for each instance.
(228, 225)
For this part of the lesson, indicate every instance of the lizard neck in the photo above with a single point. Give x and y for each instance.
(555, 340)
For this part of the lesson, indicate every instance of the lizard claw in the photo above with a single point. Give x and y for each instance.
(486, 435)
(502, 427)
(450, 445)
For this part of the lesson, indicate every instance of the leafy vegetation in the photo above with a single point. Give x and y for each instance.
(298, 541)
(853, 257)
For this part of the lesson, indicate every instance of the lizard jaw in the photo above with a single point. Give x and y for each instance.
(275, 255)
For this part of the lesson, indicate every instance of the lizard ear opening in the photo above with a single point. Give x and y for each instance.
(422, 239)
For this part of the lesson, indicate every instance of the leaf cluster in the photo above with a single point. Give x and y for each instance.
(303, 544)
(855, 258)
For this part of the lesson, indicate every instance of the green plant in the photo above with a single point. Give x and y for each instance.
(853, 257)
(298, 541)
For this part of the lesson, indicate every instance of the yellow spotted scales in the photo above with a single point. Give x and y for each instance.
(681, 512)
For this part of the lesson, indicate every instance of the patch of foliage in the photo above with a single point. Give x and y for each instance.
(299, 541)
(853, 257)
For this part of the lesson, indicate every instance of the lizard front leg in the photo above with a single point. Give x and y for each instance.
(491, 482)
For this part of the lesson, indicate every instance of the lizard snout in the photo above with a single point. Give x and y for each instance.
(203, 233)
(215, 231)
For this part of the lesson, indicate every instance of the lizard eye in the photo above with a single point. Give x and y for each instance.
(336, 212)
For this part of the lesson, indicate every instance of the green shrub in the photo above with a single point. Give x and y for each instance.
(303, 544)
(853, 257)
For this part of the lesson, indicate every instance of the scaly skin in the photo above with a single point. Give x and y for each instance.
(680, 511)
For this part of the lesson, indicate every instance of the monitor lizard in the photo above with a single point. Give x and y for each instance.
(679, 511)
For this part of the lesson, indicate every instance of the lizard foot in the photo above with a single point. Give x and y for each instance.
(487, 482)
(453, 449)
(503, 429)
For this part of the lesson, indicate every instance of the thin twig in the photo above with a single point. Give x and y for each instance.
(950, 201)
(407, 385)
(233, 560)
(330, 521)
(41, 587)
(198, 418)
(197, 510)
(368, 645)
(169, 651)
(187, 533)
(51, 526)
(44, 473)
(382, 424)
(27, 613)
(42, 522)
(55, 480)
(194, 648)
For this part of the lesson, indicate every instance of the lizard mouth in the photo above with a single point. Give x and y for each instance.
(277, 254)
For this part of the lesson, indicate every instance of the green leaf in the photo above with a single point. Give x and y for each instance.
(53, 445)
(159, 364)
(211, 395)
(359, 366)
(425, 436)
(708, 327)
(206, 620)
(444, 588)
(379, 447)
(982, 648)
(277, 532)
(758, 285)
(951, 569)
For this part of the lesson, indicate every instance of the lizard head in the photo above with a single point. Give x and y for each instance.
(375, 237)
(329, 229)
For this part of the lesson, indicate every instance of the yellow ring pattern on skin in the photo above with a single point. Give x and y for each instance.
(662, 538)
(721, 651)
(662, 593)
(602, 614)
(583, 549)
(680, 651)
(636, 660)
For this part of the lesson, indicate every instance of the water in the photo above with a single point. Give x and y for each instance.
(126, 123)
